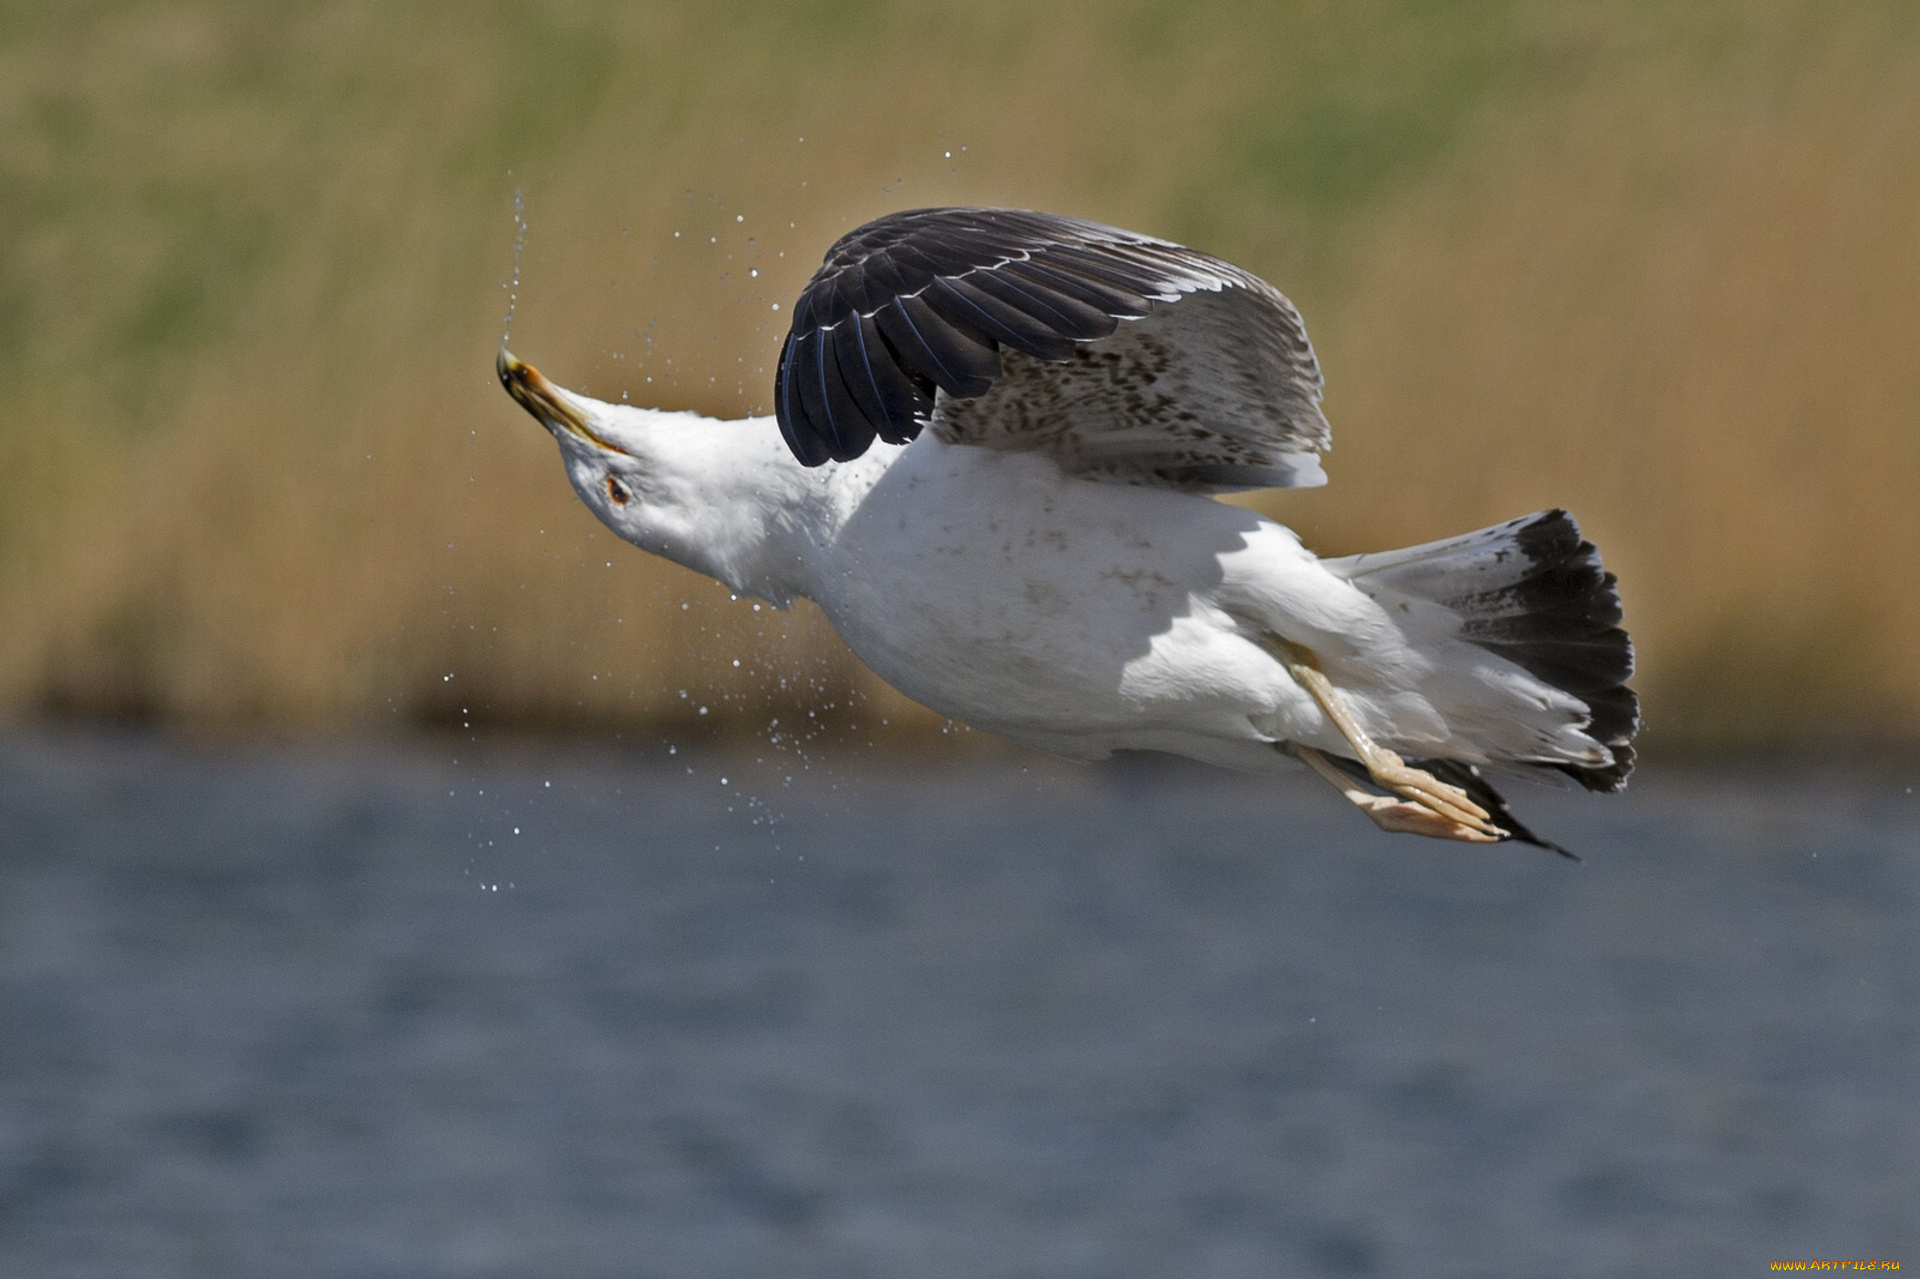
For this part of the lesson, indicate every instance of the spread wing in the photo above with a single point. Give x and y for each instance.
(1126, 357)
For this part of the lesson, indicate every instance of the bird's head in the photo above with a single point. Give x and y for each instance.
(680, 485)
(603, 451)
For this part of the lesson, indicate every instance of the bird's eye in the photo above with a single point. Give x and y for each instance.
(619, 493)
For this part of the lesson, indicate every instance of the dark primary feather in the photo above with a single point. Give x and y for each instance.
(805, 387)
(919, 313)
(958, 361)
(849, 343)
(807, 445)
(996, 319)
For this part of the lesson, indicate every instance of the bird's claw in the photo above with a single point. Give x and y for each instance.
(1417, 785)
(1419, 790)
(1401, 817)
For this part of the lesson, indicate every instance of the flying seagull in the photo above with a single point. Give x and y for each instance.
(1034, 547)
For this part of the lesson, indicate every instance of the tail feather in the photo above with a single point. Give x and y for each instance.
(1532, 591)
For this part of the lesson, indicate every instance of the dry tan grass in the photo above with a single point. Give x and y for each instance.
(1690, 316)
(1670, 281)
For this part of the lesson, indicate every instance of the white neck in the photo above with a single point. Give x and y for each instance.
(727, 498)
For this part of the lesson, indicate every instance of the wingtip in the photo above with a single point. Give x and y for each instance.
(1549, 845)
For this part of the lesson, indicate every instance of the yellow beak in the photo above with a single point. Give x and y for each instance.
(542, 399)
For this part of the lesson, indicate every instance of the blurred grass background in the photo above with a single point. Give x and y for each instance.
(1659, 264)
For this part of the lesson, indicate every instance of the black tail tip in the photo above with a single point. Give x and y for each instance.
(1560, 621)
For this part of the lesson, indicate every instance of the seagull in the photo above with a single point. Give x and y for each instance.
(997, 440)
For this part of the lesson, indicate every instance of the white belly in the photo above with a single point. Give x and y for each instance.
(1074, 616)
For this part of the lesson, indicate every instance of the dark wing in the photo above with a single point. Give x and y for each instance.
(1004, 329)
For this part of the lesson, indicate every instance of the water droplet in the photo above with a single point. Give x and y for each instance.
(519, 246)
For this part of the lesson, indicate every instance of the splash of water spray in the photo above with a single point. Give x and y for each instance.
(519, 246)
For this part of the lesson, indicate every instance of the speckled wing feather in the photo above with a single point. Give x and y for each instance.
(1127, 358)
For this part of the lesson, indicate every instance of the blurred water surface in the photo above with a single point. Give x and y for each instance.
(322, 1011)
